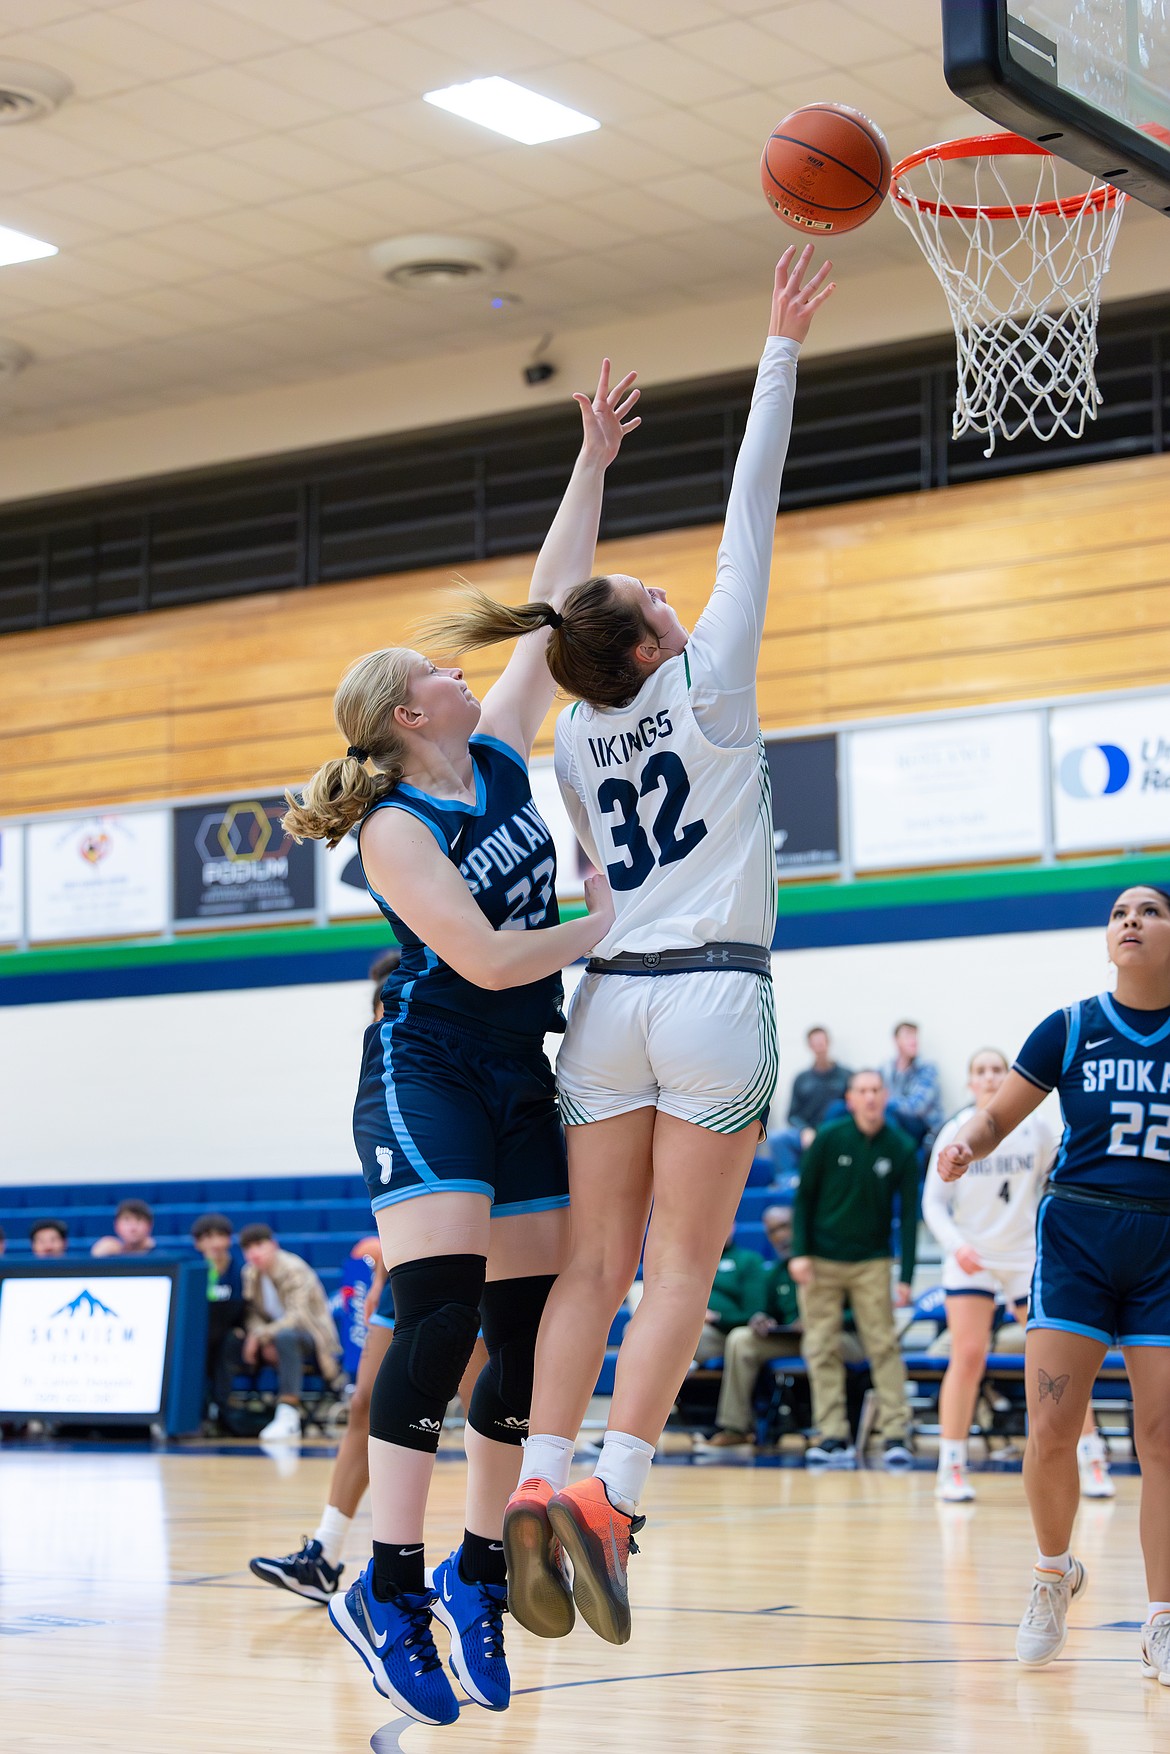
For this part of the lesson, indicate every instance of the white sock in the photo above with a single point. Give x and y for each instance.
(1091, 1448)
(624, 1468)
(331, 1532)
(547, 1458)
(1054, 1562)
(952, 1453)
(1157, 1608)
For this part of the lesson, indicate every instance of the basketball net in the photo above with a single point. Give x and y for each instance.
(1021, 267)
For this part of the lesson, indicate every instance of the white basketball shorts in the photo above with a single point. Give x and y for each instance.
(1011, 1284)
(700, 1046)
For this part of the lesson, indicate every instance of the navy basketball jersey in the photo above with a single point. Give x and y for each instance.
(1110, 1065)
(506, 856)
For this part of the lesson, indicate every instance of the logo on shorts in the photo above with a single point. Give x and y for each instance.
(431, 1425)
(651, 959)
(385, 1162)
(511, 1423)
(882, 1166)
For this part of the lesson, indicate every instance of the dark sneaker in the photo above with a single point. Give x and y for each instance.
(898, 1452)
(473, 1614)
(394, 1641)
(598, 1541)
(305, 1573)
(830, 1452)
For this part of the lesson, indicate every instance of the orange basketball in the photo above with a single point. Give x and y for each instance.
(826, 168)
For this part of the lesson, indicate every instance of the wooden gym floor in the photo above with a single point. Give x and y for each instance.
(774, 1609)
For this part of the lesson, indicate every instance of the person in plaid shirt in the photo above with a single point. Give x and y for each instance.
(915, 1102)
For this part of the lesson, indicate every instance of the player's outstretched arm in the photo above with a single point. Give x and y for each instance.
(731, 627)
(1013, 1102)
(515, 706)
(405, 864)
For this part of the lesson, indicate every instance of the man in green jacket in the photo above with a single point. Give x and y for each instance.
(843, 1216)
(738, 1288)
(771, 1331)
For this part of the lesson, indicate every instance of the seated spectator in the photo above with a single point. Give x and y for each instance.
(737, 1291)
(915, 1095)
(212, 1236)
(49, 1236)
(771, 1331)
(815, 1091)
(851, 1176)
(287, 1323)
(133, 1228)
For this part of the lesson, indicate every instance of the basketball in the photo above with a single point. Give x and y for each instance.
(826, 168)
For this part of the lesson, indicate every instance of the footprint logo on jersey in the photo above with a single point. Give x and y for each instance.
(385, 1157)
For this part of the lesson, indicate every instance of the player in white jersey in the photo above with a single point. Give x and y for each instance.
(670, 1056)
(986, 1223)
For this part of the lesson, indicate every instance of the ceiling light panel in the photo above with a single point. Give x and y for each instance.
(511, 109)
(17, 246)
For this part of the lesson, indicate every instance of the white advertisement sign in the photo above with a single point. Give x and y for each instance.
(1111, 774)
(947, 792)
(572, 864)
(83, 1345)
(346, 895)
(98, 876)
(11, 884)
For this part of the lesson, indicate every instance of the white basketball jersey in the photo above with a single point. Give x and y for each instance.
(993, 1206)
(681, 827)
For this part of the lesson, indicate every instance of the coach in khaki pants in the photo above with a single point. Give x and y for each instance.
(842, 1219)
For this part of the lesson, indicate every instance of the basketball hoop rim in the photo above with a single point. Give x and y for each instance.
(996, 146)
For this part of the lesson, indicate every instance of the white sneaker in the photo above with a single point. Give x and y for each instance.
(953, 1485)
(284, 1427)
(1095, 1480)
(1044, 1628)
(1156, 1648)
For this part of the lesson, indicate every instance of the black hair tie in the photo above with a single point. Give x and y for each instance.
(358, 754)
(553, 618)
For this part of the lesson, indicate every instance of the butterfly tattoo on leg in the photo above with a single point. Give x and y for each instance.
(1053, 1385)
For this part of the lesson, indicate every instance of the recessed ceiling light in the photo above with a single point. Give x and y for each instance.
(512, 109)
(17, 246)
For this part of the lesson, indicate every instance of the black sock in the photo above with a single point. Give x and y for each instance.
(482, 1561)
(398, 1568)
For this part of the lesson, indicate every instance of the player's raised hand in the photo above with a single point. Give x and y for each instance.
(953, 1161)
(606, 418)
(794, 305)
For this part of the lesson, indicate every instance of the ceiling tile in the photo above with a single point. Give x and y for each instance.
(753, 55)
(468, 186)
(317, 74)
(691, 139)
(257, 102)
(160, 190)
(304, 21)
(831, 32)
(367, 142)
(409, 64)
(392, 206)
(294, 161)
(179, 117)
(660, 17)
(121, 42)
(224, 35)
(493, 46)
(570, 26)
(671, 75)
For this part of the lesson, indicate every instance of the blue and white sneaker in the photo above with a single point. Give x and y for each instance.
(473, 1614)
(306, 1573)
(394, 1641)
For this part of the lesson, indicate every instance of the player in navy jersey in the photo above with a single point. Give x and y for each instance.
(1102, 1274)
(456, 1121)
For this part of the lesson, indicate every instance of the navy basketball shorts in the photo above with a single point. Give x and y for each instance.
(1102, 1271)
(442, 1110)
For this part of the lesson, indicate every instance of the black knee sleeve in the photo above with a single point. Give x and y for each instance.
(511, 1311)
(436, 1321)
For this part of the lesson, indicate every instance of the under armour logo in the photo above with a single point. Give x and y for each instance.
(385, 1161)
(713, 957)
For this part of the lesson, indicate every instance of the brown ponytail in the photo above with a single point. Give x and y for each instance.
(343, 789)
(591, 641)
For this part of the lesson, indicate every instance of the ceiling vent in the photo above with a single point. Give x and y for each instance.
(29, 91)
(432, 261)
(13, 359)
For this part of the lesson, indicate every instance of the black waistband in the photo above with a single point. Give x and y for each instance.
(698, 959)
(1117, 1202)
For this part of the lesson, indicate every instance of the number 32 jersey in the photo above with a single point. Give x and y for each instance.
(993, 1207)
(681, 826)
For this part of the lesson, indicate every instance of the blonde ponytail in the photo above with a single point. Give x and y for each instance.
(343, 789)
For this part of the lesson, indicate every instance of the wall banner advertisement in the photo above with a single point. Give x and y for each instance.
(11, 884)
(805, 813)
(954, 791)
(1111, 774)
(77, 1346)
(234, 862)
(98, 877)
(346, 895)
